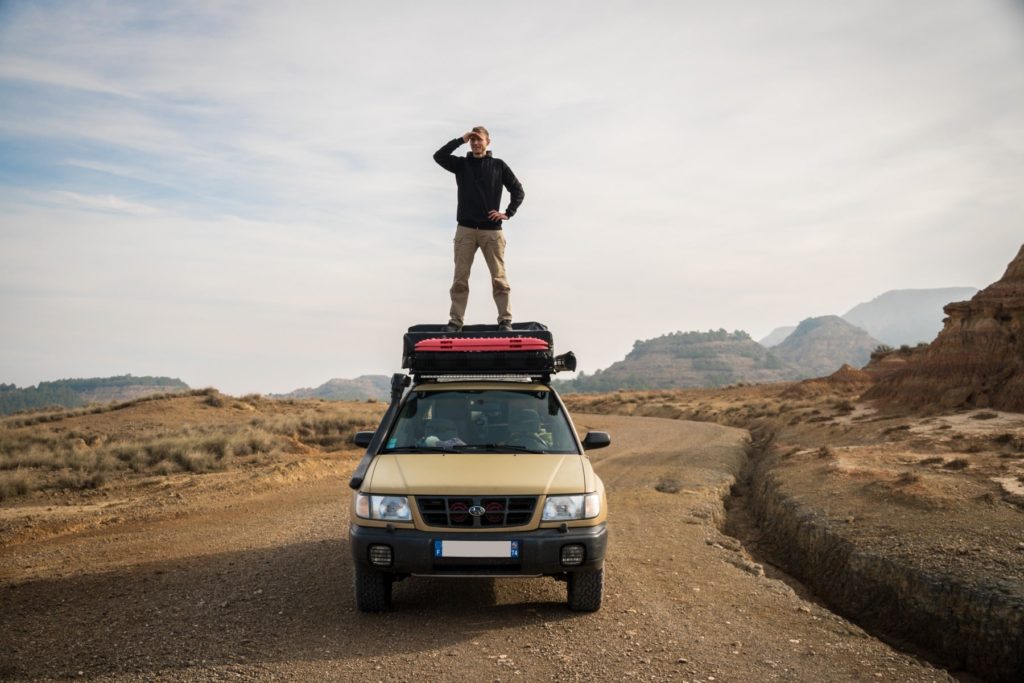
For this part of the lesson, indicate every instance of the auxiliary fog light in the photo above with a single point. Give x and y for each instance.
(573, 555)
(380, 555)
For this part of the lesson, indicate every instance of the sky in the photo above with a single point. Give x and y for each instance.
(242, 194)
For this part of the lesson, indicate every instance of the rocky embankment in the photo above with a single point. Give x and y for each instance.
(967, 619)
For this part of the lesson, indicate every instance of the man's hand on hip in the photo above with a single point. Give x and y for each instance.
(497, 216)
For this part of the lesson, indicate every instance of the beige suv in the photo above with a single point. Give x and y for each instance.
(478, 475)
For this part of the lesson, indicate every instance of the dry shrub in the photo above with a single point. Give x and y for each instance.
(215, 399)
(908, 478)
(844, 406)
(15, 483)
(315, 429)
(896, 429)
(165, 467)
(77, 480)
(1014, 441)
(668, 486)
(199, 462)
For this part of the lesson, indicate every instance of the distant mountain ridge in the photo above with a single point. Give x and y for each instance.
(777, 336)
(820, 346)
(817, 347)
(377, 387)
(906, 316)
(75, 393)
(687, 359)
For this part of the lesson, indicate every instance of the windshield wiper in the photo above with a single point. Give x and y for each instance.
(499, 448)
(421, 449)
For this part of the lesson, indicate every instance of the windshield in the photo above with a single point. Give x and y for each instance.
(488, 420)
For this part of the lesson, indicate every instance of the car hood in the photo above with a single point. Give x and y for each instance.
(476, 473)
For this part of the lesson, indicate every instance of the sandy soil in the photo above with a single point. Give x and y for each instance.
(242, 576)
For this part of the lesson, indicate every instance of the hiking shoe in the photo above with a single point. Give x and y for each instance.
(505, 326)
(453, 327)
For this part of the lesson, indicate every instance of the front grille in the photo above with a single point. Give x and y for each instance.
(498, 511)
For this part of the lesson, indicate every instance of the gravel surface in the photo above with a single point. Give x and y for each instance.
(255, 584)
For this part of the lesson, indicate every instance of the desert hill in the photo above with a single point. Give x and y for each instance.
(820, 346)
(977, 360)
(184, 433)
(377, 387)
(906, 316)
(75, 393)
(687, 359)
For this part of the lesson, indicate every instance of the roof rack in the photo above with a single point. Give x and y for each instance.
(483, 351)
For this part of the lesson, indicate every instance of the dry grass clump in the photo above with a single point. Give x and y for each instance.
(896, 429)
(16, 483)
(313, 428)
(668, 485)
(907, 478)
(1013, 441)
(844, 407)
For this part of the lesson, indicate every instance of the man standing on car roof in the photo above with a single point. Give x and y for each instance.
(480, 177)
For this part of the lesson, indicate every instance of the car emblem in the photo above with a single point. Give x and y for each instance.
(477, 511)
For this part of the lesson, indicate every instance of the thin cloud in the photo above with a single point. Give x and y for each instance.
(102, 203)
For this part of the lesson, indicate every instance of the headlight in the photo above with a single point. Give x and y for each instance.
(561, 508)
(387, 508)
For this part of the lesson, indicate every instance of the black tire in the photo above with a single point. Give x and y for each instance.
(585, 590)
(373, 590)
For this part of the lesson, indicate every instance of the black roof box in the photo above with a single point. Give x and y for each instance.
(518, 352)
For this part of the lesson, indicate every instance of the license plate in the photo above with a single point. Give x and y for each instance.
(509, 549)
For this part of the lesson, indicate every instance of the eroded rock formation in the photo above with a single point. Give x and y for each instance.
(977, 360)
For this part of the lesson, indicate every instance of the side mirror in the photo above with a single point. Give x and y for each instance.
(363, 439)
(596, 440)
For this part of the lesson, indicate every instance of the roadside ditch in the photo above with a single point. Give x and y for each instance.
(961, 623)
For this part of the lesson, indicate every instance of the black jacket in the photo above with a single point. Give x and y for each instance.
(478, 198)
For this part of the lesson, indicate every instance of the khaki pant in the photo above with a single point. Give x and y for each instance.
(492, 244)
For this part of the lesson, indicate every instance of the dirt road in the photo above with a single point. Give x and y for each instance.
(257, 586)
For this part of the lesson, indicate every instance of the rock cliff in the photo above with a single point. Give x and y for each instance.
(977, 360)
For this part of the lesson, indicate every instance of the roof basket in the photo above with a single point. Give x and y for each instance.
(483, 350)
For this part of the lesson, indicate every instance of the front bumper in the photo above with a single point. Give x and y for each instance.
(540, 551)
